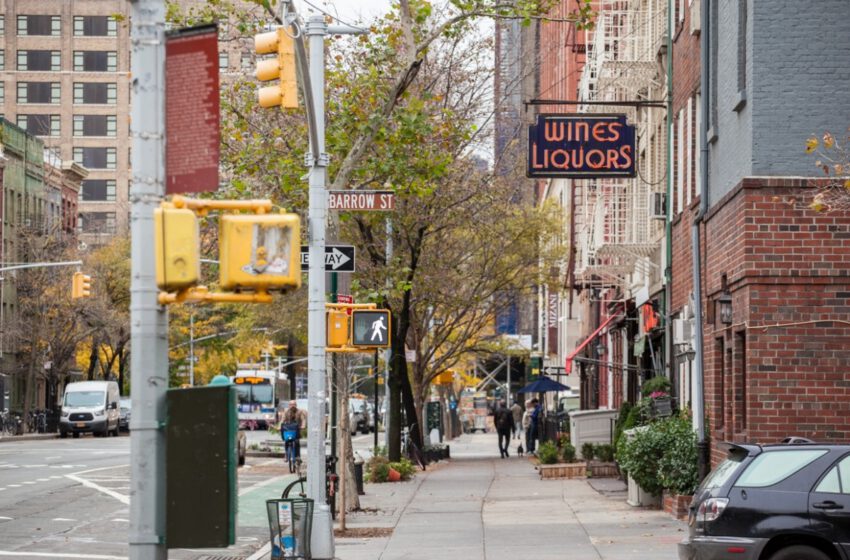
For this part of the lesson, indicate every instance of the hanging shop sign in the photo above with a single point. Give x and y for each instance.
(581, 146)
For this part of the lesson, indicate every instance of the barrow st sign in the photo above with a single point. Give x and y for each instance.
(361, 200)
(581, 147)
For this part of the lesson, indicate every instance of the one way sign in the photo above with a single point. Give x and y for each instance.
(338, 258)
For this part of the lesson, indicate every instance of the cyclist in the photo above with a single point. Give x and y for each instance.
(294, 420)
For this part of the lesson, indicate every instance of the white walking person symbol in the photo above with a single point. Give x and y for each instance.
(377, 327)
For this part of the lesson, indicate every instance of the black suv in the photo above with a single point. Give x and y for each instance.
(787, 501)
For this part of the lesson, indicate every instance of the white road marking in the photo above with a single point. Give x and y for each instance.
(121, 520)
(261, 553)
(63, 519)
(35, 466)
(55, 476)
(1, 489)
(43, 479)
(108, 491)
(54, 457)
(14, 486)
(261, 484)
(61, 555)
(6, 518)
(30, 482)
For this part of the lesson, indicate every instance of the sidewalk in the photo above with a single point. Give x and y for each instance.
(481, 507)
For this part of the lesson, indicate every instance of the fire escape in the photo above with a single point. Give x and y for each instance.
(617, 239)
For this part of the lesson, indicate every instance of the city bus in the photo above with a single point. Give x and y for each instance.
(258, 392)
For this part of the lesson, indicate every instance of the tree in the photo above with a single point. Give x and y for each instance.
(834, 160)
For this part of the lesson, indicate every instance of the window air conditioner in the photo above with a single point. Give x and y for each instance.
(695, 10)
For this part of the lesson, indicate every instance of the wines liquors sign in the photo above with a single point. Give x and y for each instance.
(581, 146)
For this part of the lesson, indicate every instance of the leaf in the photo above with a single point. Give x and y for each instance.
(811, 144)
(847, 184)
(828, 140)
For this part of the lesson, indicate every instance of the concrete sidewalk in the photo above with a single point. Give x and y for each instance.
(481, 507)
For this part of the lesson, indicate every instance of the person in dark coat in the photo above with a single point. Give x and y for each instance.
(504, 421)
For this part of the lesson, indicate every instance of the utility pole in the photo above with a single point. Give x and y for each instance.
(149, 321)
(192, 350)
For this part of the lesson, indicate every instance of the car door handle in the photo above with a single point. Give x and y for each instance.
(829, 504)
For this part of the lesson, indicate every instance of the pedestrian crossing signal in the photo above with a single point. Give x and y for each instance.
(370, 328)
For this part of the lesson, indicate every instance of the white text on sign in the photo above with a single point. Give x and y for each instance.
(361, 200)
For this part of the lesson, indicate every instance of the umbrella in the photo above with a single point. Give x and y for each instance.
(543, 384)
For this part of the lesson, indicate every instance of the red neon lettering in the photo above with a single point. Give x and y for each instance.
(611, 162)
(614, 127)
(600, 161)
(599, 131)
(626, 152)
(553, 131)
(565, 163)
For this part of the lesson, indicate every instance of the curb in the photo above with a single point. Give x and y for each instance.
(28, 437)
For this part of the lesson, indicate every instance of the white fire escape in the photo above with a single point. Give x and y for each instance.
(617, 239)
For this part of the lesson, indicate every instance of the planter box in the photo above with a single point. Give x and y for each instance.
(640, 498)
(563, 470)
(676, 504)
(603, 470)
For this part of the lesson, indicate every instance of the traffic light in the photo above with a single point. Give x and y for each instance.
(370, 328)
(80, 285)
(337, 328)
(260, 252)
(178, 258)
(281, 67)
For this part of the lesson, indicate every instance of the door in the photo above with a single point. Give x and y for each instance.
(829, 505)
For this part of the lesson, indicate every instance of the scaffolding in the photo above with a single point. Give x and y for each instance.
(617, 238)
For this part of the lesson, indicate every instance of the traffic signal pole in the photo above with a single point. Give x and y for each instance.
(149, 321)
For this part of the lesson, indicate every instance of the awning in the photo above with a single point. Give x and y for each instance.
(568, 366)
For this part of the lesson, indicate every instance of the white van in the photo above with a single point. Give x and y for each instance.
(90, 406)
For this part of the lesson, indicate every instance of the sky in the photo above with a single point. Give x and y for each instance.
(350, 11)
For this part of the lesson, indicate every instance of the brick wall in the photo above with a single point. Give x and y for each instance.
(780, 368)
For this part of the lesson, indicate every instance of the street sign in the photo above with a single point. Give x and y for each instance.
(370, 328)
(361, 200)
(344, 298)
(338, 258)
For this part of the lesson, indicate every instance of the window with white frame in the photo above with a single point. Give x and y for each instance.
(42, 25)
(39, 92)
(95, 125)
(97, 93)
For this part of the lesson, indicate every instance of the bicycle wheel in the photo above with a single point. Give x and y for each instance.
(298, 488)
(290, 458)
(416, 456)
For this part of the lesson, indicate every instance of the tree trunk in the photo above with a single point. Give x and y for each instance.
(29, 386)
(93, 358)
(352, 500)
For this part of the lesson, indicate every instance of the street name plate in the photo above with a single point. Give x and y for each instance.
(361, 200)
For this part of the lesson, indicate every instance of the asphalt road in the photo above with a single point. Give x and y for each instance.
(69, 499)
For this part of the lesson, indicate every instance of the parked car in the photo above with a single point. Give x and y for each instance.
(124, 406)
(90, 406)
(788, 501)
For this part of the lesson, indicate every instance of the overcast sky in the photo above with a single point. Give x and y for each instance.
(350, 11)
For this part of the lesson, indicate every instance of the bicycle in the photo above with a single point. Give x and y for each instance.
(411, 450)
(290, 433)
(298, 488)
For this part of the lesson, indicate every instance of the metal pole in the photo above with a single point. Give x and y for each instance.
(388, 353)
(192, 350)
(375, 381)
(149, 321)
(322, 536)
(508, 384)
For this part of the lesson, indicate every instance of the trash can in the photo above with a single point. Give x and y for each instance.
(358, 475)
(290, 523)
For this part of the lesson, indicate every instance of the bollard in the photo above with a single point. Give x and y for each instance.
(358, 475)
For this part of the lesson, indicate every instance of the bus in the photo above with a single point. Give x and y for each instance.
(258, 392)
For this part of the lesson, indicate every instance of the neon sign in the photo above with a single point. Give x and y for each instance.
(581, 146)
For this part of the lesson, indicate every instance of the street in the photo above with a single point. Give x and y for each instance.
(69, 499)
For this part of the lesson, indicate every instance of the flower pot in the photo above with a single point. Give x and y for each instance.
(393, 475)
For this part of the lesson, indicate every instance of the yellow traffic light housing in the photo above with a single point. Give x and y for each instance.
(178, 259)
(80, 285)
(260, 252)
(338, 333)
(282, 67)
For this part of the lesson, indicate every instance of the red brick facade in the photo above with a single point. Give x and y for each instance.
(780, 367)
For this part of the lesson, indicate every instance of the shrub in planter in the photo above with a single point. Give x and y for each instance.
(377, 469)
(564, 440)
(639, 454)
(604, 452)
(404, 467)
(547, 453)
(588, 451)
(658, 384)
(568, 452)
(677, 468)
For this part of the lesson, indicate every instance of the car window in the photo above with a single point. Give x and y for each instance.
(774, 466)
(724, 470)
(837, 480)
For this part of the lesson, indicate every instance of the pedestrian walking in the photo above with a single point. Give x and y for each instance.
(534, 426)
(516, 411)
(503, 420)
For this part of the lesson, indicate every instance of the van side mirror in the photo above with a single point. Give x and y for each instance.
(113, 405)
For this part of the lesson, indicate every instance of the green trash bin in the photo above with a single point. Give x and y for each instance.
(290, 523)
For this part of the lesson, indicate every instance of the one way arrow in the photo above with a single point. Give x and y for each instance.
(338, 258)
(335, 259)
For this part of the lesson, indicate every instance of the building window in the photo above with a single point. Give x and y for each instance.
(98, 190)
(95, 61)
(39, 92)
(2, 59)
(95, 93)
(247, 62)
(223, 61)
(2, 92)
(40, 125)
(713, 74)
(95, 125)
(95, 26)
(40, 25)
(741, 381)
(96, 158)
(97, 222)
(742, 56)
(2, 25)
(44, 61)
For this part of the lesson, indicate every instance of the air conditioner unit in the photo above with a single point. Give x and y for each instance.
(658, 206)
(695, 11)
(682, 331)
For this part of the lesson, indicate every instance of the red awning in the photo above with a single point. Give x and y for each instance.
(568, 366)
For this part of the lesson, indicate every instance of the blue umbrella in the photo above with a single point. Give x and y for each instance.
(543, 384)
